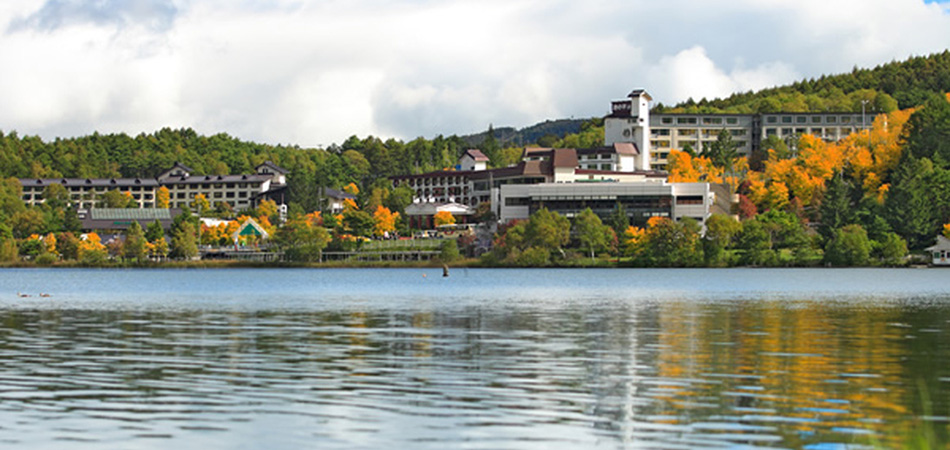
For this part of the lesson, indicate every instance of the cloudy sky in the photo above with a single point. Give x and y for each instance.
(312, 73)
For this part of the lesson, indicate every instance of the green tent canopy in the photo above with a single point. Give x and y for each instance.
(250, 227)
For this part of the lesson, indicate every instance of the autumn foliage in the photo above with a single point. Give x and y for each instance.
(868, 157)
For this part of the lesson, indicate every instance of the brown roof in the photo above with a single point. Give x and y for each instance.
(565, 157)
(626, 149)
(475, 154)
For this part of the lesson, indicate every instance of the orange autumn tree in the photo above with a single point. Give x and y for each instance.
(869, 156)
(685, 168)
(385, 221)
(443, 218)
(91, 249)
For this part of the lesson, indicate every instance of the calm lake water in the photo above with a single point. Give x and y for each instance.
(365, 358)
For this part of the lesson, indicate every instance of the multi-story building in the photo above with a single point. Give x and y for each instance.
(630, 121)
(640, 200)
(240, 191)
(86, 192)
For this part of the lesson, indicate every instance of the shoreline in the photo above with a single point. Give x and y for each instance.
(470, 263)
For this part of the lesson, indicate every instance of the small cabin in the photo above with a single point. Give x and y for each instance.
(940, 252)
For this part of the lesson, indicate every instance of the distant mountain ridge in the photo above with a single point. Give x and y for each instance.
(510, 136)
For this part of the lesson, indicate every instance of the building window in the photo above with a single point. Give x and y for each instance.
(732, 120)
(738, 132)
(845, 119)
(831, 119)
(689, 200)
(667, 120)
(786, 119)
(517, 201)
(771, 119)
(801, 119)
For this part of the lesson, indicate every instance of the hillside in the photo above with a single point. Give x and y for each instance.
(887, 87)
(509, 136)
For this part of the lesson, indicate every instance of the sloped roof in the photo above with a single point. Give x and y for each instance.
(942, 244)
(565, 157)
(335, 193)
(273, 166)
(92, 182)
(626, 149)
(214, 179)
(475, 154)
(248, 228)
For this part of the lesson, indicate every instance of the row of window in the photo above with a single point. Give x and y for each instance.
(814, 119)
(662, 143)
(696, 120)
(815, 131)
(713, 133)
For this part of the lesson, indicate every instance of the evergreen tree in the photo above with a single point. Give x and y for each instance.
(909, 206)
(837, 209)
(618, 219)
(928, 131)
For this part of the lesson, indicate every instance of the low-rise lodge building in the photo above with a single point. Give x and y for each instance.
(240, 191)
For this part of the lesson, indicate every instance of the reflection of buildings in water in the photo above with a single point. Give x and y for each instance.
(810, 362)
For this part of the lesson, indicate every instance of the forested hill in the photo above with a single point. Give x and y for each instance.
(887, 87)
(529, 135)
(366, 160)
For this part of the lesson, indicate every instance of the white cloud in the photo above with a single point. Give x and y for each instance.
(692, 74)
(313, 73)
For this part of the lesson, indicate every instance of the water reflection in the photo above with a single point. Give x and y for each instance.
(670, 373)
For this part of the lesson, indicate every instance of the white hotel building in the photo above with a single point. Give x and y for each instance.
(240, 191)
(568, 180)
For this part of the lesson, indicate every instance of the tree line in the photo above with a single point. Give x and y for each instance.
(895, 85)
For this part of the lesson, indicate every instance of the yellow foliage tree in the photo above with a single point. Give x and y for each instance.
(267, 208)
(50, 242)
(684, 168)
(162, 197)
(385, 220)
(91, 248)
(870, 156)
(632, 238)
(351, 188)
(200, 204)
(443, 218)
(349, 205)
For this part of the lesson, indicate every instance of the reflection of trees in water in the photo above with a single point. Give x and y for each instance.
(631, 370)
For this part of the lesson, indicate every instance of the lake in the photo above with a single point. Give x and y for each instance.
(486, 358)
